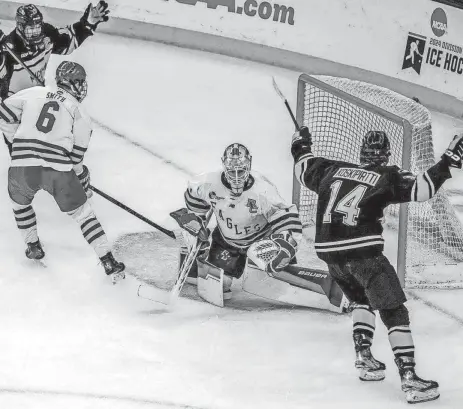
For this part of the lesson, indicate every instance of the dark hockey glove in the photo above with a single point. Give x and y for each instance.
(301, 142)
(95, 15)
(454, 153)
(192, 223)
(84, 179)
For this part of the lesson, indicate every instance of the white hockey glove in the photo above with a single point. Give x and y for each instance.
(84, 179)
(454, 153)
(192, 223)
(95, 15)
(273, 254)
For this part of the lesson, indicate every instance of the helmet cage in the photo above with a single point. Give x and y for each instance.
(236, 162)
(29, 25)
(375, 149)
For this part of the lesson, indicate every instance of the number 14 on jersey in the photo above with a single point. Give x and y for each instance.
(347, 205)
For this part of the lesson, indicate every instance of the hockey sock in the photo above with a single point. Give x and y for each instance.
(363, 318)
(91, 229)
(401, 341)
(400, 335)
(26, 222)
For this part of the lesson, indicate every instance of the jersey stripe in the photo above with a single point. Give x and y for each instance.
(194, 204)
(77, 154)
(301, 166)
(341, 245)
(288, 221)
(7, 114)
(26, 149)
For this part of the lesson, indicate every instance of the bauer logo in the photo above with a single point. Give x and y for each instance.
(439, 22)
(414, 51)
(264, 10)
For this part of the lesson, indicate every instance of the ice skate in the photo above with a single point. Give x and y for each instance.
(416, 389)
(113, 268)
(370, 369)
(35, 251)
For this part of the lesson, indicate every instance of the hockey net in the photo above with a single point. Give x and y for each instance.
(425, 238)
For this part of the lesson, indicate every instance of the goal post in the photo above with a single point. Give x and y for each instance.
(339, 112)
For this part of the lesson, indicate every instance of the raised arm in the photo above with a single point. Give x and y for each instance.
(422, 187)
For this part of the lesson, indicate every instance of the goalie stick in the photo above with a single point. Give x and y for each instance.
(283, 98)
(149, 293)
(187, 264)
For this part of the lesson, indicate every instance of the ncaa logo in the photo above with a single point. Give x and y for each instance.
(439, 22)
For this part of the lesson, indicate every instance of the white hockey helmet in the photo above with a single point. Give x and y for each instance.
(72, 77)
(236, 162)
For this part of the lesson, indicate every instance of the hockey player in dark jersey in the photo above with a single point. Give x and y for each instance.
(351, 200)
(34, 41)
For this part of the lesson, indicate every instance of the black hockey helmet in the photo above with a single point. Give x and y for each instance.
(375, 149)
(72, 77)
(29, 25)
(236, 162)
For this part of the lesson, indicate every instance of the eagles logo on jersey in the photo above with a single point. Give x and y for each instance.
(252, 206)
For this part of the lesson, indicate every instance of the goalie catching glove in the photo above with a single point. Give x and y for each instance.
(273, 254)
(192, 223)
(454, 153)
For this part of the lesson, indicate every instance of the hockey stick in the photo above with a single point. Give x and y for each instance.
(133, 212)
(283, 98)
(7, 48)
(187, 264)
(169, 233)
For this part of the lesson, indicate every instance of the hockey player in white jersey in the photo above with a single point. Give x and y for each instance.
(47, 133)
(255, 226)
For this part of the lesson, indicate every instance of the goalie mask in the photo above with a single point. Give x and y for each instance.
(72, 77)
(29, 25)
(236, 162)
(375, 149)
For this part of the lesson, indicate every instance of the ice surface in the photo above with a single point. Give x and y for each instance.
(69, 339)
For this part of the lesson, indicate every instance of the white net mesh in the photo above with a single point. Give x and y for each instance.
(338, 121)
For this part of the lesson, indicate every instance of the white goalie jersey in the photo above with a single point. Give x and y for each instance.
(242, 220)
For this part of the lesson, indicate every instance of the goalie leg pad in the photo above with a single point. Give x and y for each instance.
(210, 283)
(300, 286)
